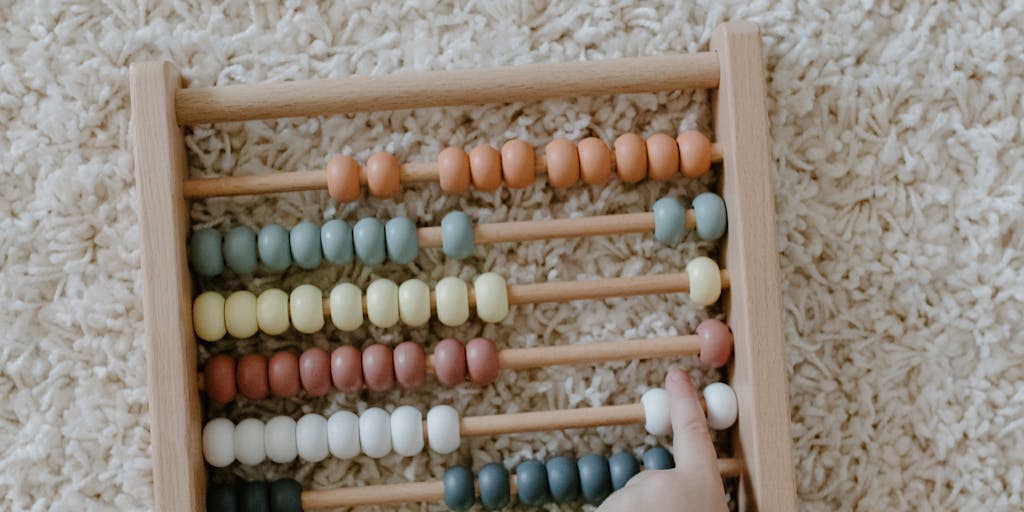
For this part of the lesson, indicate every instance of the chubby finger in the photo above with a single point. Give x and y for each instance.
(691, 441)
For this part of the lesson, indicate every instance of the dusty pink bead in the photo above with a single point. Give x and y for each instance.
(450, 362)
(315, 371)
(347, 369)
(715, 342)
(410, 365)
(378, 367)
(482, 360)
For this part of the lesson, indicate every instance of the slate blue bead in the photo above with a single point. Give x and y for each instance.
(709, 208)
(459, 493)
(595, 479)
(274, 247)
(240, 250)
(368, 238)
(669, 221)
(494, 486)
(658, 458)
(336, 242)
(457, 235)
(400, 235)
(532, 483)
(563, 479)
(285, 496)
(221, 498)
(205, 252)
(305, 242)
(254, 497)
(622, 466)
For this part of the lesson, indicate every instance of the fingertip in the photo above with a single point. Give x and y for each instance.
(679, 381)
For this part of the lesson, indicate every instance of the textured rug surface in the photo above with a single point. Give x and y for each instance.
(897, 133)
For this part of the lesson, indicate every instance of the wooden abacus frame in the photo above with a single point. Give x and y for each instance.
(160, 107)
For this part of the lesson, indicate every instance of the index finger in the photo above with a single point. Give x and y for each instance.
(691, 441)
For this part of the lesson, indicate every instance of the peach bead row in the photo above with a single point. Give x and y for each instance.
(485, 168)
(377, 368)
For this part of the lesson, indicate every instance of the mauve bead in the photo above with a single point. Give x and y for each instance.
(252, 377)
(378, 367)
(220, 378)
(715, 342)
(482, 361)
(347, 369)
(410, 365)
(283, 374)
(315, 371)
(450, 362)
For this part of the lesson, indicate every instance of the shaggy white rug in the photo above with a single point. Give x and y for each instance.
(899, 175)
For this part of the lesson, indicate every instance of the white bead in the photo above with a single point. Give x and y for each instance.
(452, 298)
(375, 432)
(443, 429)
(306, 306)
(272, 311)
(721, 405)
(208, 316)
(347, 307)
(249, 447)
(705, 280)
(343, 434)
(414, 302)
(311, 437)
(219, 442)
(240, 315)
(491, 297)
(657, 419)
(382, 303)
(279, 439)
(407, 430)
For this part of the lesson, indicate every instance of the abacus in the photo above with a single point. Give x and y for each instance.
(754, 404)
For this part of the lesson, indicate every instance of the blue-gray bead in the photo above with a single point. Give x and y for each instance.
(403, 246)
(457, 235)
(709, 208)
(494, 486)
(240, 250)
(221, 498)
(275, 249)
(563, 479)
(595, 479)
(368, 238)
(336, 242)
(669, 221)
(532, 483)
(205, 252)
(305, 242)
(622, 466)
(658, 458)
(254, 497)
(459, 493)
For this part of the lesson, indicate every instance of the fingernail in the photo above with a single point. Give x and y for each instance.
(677, 376)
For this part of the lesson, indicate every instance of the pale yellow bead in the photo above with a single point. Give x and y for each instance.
(306, 306)
(347, 307)
(240, 314)
(414, 302)
(382, 303)
(705, 280)
(491, 297)
(452, 297)
(272, 311)
(208, 316)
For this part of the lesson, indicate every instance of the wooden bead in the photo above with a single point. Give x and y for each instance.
(378, 368)
(451, 298)
(410, 365)
(715, 342)
(250, 449)
(563, 163)
(208, 316)
(485, 168)
(219, 378)
(630, 158)
(346, 301)
(240, 315)
(251, 376)
(306, 308)
(343, 434)
(517, 164)
(662, 157)
(375, 432)
(383, 175)
(721, 405)
(343, 179)
(219, 442)
(694, 153)
(705, 280)
(414, 302)
(482, 361)
(382, 303)
(315, 371)
(453, 170)
(272, 311)
(595, 161)
(283, 374)
(657, 420)
(407, 430)
(491, 293)
(347, 369)
(311, 437)
(450, 362)
(443, 433)
(279, 440)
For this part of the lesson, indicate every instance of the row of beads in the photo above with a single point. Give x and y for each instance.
(242, 314)
(378, 368)
(284, 495)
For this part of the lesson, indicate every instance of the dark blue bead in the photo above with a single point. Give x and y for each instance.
(459, 493)
(532, 483)
(623, 466)
(254, 497)
(494, 486)
(595, 480)
(563, 479)
(658, 458)
(221, 498)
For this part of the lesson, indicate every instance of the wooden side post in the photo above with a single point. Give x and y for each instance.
(753, 305)
(160, 169)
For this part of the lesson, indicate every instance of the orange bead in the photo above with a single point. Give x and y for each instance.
(595, 161)
(453, 170)
(383, 175)
(517, 164)
(695, 153)
(563, 163)
(343, 179)
(630, 157)
(662, 157)
(485, 168)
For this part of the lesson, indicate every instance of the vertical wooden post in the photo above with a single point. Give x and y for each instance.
(753, 305)
(160, 169)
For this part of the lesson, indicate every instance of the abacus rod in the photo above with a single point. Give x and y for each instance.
(200, 105)
(543, 421)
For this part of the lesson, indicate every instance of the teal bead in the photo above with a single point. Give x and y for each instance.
(457, 235)
(459, 493)
(494, 486)
(240, 250)
(401, 240)
(285, 496)
(622, 466)
(221, 498)
(305, 242)
(669, 221)
(336, 242)
(563, 479)
(595, 478)
(658, 458)
(254, 497)
(205, 252)
(368, 238)
(709, 208)
(274, 247)
(532, 483)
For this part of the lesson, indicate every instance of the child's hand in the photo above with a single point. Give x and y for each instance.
(695, 483)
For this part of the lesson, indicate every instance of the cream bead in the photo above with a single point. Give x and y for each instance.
(407, 430)
(306, 307)
(311, 437)
(272, 311)
(208, 316)
(382, 303)
(219, 442)
(249, 447)
(443, 433)
(414, 302)
(347, 307)
(279, 439)
(705, 280)
(491, 297)
(721, 405)
(343, 434)
(375, 432)
(657, 420)
(240, 315)
(452, 298)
